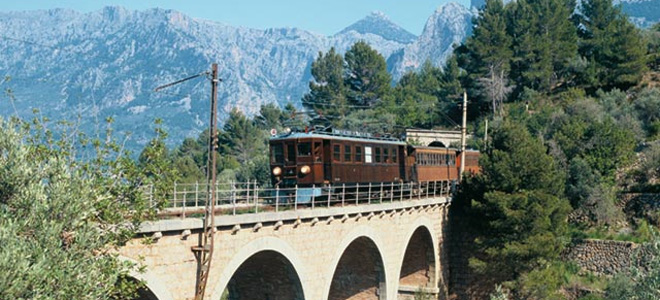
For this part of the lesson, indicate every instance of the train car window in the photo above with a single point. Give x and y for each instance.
(290, 152)
(317, 151)
(447, 161)
(394, 156)
(304, 149)
(347, 153)
(336, 152)
(386, 155)
(278, 153)
(377, 154)
(367, 154)
(358, 154)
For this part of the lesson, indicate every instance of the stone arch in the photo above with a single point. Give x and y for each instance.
(421, 230)
(262, 248)
(156, 288)
(437, 144)
(360, 238)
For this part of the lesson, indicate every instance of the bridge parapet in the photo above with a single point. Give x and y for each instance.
(248, 198)
(381, 248)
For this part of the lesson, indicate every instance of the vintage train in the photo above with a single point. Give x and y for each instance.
(314, 161)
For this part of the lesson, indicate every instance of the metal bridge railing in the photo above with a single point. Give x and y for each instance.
(234, 198)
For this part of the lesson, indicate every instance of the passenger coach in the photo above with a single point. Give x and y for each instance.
(314, 161)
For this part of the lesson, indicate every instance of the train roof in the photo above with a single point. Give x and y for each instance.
(336, 136)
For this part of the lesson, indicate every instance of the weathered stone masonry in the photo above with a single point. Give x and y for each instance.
(317, 254)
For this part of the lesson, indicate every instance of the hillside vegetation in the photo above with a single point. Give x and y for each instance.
(574, 110)
(573, 105)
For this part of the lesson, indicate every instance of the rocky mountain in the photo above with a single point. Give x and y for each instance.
(379, 24)
(644, 13)
(448, 26)
(86, 67)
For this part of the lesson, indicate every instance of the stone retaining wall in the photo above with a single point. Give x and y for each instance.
(602, 257)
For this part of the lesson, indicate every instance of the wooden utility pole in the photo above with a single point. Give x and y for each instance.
(463, 133)
(486, 134)
(205, 249)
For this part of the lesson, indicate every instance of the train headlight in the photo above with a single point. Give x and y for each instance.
(305, 170)
(277, 171)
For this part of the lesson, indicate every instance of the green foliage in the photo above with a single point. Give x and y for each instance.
(586, 131)
(644, 282)
(542, 283)
(518, 163)
(517, 205)
(647, 106)
(544, 42)
(421, 295)
(612, 44)
(426, 99)
(366, 78)
(327, 95)
(652, 35)
(499, 294)
(155, 163)
(61, 218)
(487, 55)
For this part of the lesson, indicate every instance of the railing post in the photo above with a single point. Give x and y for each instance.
(277, 198)
(435, 187)
(357, 193)
(412, 186)
(380, 195)
(343, 194)
(419, 195)
(295, 199)
(196, 193)
(256, 198)
(392, 192)
(233, 195)
(183, 207)
(313, 197)
(401, 191)
(369, 196)
(247, 193)
(329, 194)
(174, 201)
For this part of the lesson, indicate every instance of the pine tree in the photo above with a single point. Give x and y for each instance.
(488, 55)
(518, 208)
(613, 44)
(366, 77)
(327, 95)
(544, 42)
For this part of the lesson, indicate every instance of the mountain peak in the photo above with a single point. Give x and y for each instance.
(378, 14)
(378, 23)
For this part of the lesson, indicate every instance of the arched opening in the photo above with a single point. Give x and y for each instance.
(418, 266)
(266, 275)
(143, 293)
(359, 273)
(437, 144)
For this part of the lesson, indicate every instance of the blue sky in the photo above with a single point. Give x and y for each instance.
(324, 17)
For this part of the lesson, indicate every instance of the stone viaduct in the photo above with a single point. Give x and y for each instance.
(383, 251)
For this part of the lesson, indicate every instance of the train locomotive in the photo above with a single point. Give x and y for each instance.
(316, 161)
